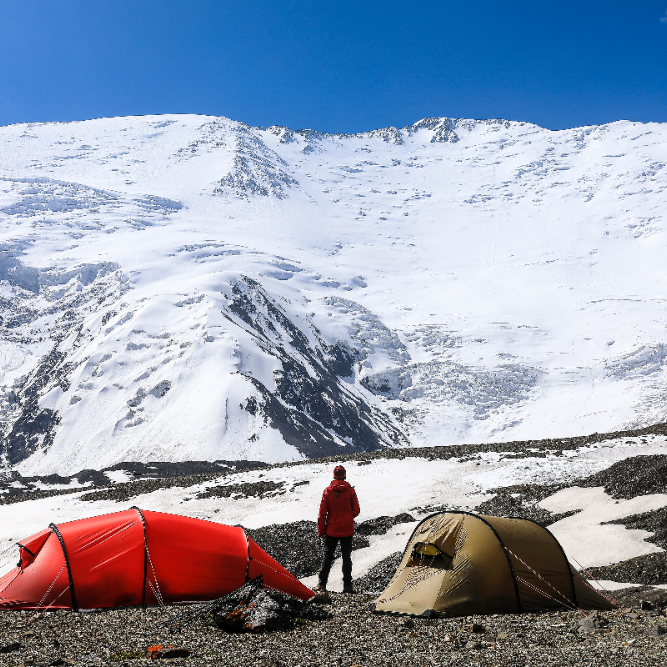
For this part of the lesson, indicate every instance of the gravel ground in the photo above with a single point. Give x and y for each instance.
(521, 500)
(629, 478)
(352, 636)
(166, 475)
(377, 578)
(650, 569)
(297, 547)
(632, 477)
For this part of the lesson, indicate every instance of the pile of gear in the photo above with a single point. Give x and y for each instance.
(253, 608)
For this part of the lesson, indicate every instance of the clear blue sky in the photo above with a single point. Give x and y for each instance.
(335, 65)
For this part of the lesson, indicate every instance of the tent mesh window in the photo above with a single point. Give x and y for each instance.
(429, 555)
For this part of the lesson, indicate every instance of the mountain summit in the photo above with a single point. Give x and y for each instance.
(192, 288)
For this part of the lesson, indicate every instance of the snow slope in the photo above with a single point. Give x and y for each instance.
(185, 288)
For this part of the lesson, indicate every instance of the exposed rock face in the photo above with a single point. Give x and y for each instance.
(257, 170)
(311, 406)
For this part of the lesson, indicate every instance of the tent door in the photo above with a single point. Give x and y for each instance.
(429, 555)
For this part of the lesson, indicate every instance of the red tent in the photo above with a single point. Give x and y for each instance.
(137, 557)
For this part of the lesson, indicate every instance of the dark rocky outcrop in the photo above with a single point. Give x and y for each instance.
(312, 406)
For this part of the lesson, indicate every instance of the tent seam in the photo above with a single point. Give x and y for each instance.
(247, 567)
(504, 548)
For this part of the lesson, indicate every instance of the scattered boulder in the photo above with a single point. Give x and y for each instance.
(592, 623)
(633, 596)
(321, 597)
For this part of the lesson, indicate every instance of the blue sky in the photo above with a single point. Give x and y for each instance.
(335, 65)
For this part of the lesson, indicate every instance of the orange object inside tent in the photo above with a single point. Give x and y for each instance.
(138, 557)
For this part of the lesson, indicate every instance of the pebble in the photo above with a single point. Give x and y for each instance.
(350, 636)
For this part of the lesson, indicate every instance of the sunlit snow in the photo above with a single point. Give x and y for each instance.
(188, 288)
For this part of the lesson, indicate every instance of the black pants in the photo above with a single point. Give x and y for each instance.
(330, 544)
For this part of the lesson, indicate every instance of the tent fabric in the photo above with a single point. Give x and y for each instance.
(458, 564)
(137, 557)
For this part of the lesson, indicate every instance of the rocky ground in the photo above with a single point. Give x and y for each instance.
(352, 635)
(297, 547)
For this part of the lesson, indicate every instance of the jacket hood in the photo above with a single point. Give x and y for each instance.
(339, 485)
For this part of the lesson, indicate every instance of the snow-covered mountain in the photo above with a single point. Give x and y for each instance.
(191, 288)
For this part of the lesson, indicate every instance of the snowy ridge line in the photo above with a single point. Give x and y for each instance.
(444, 130)
(528, 448)
(451, 281)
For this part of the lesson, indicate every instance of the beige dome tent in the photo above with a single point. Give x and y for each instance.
(457, 564)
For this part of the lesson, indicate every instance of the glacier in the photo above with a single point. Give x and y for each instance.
(179, 288)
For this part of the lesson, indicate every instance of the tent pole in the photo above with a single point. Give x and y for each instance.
(143, 588)
(54, 528)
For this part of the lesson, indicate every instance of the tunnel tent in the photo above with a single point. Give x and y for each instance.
(459, 563)
(137, 557)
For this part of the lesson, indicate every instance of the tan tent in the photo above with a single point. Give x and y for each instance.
(457, 564)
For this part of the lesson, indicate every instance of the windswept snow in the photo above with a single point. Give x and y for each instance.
(186, 288)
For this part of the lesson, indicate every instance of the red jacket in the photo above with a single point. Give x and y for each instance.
(338, 508)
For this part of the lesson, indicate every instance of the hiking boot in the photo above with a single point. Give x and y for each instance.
(348, 588)
(320, 588)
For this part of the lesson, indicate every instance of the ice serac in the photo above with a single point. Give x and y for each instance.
(39, 312)
(188, 288)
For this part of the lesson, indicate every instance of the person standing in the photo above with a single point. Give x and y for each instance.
(335, 524)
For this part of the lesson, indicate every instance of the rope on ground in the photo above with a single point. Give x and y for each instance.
(611, 599)
(37, 616)
(53, 583)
